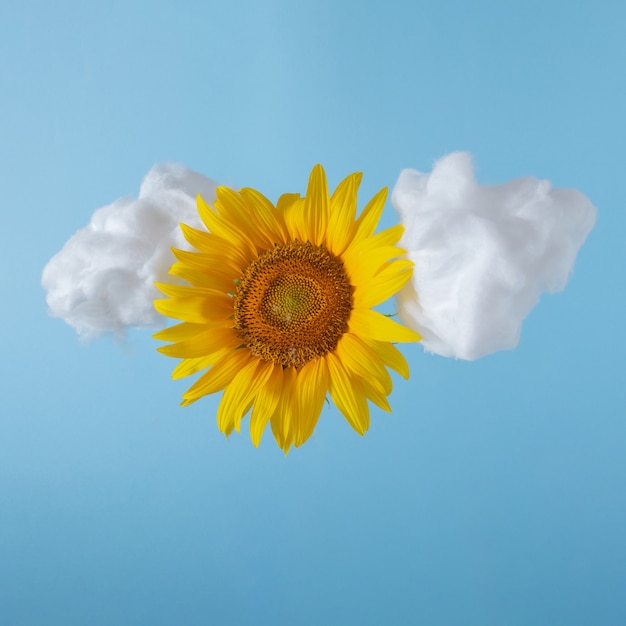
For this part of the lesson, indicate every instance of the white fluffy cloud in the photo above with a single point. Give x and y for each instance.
(483, 254)
(103, 278)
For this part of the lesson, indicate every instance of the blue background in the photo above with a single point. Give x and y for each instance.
(493, 494)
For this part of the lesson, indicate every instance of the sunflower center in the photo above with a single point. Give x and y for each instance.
(293, 304)
(290, 301)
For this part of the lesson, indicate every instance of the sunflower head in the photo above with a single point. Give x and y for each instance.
(278, 308)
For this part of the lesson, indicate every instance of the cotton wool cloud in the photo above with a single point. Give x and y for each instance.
(483, 254)
(103, 278)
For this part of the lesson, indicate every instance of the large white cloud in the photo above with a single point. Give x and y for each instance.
(483, 254)
(103, 278)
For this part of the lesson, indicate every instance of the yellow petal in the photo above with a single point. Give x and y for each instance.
(281, 419)
(270, 220)
(370, 216)
(312, 385)
(212, 264)
(180, 332)
(362, 266)
(221, 374)
(217, 249)
(374, 394)
(389, 355)
(197, 310)
(187, 367)
(216, 224)
(242, 217)
(341, 225)
(217, 282)
(351, 403)
(266, 402)
(202, 344)
(295, 219)
(285, 201)
(316, 206)
(360, 250)
(373, 325)
(240, 394)
(385, 284)
(184, 291)
(362, 362)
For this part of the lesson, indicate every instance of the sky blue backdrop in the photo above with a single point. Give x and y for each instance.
(493, 494)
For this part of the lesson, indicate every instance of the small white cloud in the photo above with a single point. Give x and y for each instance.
(103, 278)
(483, 254)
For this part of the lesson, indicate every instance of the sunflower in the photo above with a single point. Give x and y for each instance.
(278, 307)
